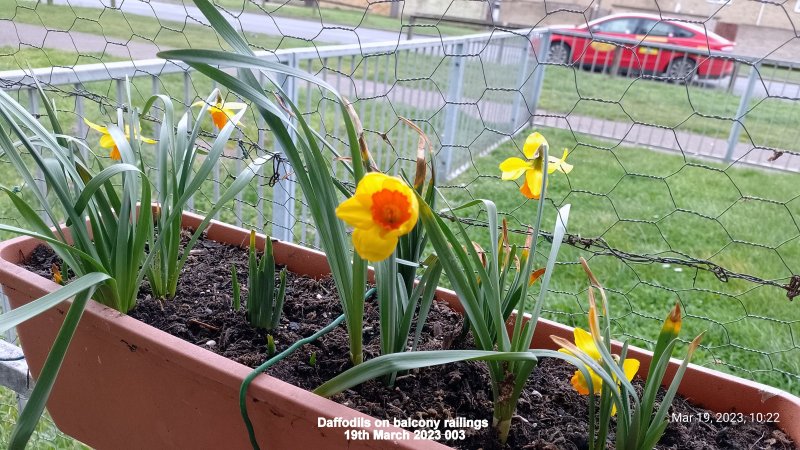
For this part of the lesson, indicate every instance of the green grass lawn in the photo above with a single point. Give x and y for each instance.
(14, 58)
(768, 122)
(768, 73)
(46, 435)
(660, 205)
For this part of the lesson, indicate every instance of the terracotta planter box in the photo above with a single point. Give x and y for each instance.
(125, 384)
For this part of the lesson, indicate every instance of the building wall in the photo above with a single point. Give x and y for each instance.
(740, 12)
(382, 8)
(467, 9)
(539, 12)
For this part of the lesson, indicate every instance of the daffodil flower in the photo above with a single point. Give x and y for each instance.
(532, 166)
(106, 141)
(222, 111)
(382, 209)
(57, 277)
(585, 342)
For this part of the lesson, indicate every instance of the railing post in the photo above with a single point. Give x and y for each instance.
(516, 113)
(455, 87)
(411, 22)
(538, 73)
(744, 104)
(283, 193)
(187, 101)
(734, 76)
(13, 372)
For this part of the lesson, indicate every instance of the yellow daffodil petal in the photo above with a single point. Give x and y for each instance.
(371, 246)
(148, 140)
(555, 164)
(532, 188)
(514, 167)
(585, 342)
(95, 126)
(630, 367)
(355, 212)
(231, 113)
(234, 106)
(532, 144)
(382, 209)
(106, 141)
(371, 183)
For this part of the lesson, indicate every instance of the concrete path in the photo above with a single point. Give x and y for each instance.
(246, 21)
(20, 35)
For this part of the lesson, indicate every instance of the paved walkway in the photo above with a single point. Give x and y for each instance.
(20, 35)
(247, 21)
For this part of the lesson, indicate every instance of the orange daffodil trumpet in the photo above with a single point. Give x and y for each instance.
(106, 141)
(382, 209)
(533, 166)
(222, 111)
(585, 343)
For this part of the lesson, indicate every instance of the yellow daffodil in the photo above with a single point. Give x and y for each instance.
(57, 278)
(532, 166)
(382, 209)
(106, 141)
(222, 111)
(585, 342)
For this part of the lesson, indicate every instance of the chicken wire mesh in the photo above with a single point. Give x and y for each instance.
(685, 185)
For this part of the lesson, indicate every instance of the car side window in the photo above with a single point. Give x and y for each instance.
(681, 33)
(662, 29)
(624, 26)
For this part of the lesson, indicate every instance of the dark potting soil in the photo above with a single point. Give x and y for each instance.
(550, 414)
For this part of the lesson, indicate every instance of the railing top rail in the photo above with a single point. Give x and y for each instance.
(57, 76)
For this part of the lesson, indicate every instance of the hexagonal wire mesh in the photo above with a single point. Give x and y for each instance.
(686, 153)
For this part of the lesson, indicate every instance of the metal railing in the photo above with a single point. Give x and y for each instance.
(381, 79)
(441, 84)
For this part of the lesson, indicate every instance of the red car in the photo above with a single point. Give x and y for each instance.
(591, 46)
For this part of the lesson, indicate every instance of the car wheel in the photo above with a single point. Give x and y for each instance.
(558, 53)
(680, 70)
